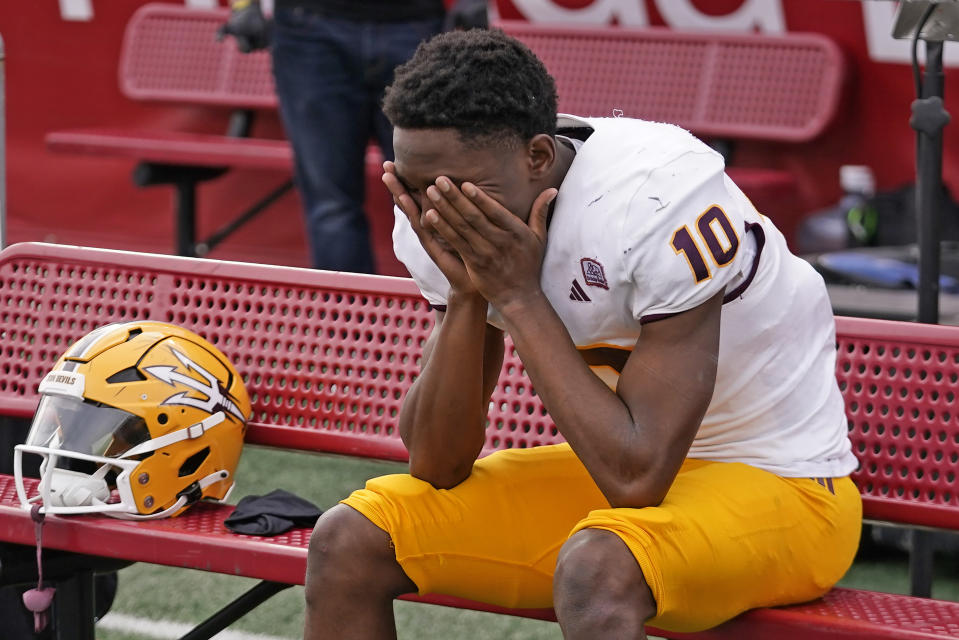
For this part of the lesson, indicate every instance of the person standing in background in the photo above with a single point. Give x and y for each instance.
(332, 60)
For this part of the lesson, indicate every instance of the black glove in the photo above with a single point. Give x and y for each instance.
(247, 26)
(467, 14)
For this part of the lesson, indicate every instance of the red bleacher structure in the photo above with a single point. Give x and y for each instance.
(788, 93)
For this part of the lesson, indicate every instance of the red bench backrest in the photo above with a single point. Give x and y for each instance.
(328, 356)
(899, 381)
(170, 54)
(782, 87)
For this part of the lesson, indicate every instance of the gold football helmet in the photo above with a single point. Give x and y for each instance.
(137, 420)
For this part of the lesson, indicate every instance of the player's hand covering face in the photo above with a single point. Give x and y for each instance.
(478, 239)
(502, 255)
(438, 250)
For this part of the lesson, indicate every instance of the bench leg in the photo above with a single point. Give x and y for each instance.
(74, 606)
(185, 207)
(920, 563)
(235, 610)
(205, 246)
(183, 179)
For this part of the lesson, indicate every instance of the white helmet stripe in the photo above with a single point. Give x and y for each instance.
(80, 349)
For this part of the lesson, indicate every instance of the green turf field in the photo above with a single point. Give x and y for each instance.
(153, 599)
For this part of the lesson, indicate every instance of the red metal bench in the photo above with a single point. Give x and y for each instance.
(724, 87)
(327, 357)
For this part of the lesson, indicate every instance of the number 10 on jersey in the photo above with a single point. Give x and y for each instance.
(716, 232)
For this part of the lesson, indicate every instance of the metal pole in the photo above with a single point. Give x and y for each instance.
(3, 156)
(928, 119)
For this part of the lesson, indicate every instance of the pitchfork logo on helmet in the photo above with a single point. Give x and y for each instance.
(213, 398)
(136, 420)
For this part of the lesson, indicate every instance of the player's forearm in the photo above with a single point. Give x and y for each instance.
(443, 418)
(615, 446)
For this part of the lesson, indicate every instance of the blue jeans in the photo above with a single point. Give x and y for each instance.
(330, 76)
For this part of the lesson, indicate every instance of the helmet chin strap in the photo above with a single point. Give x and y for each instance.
(182, 501)
(188, 433)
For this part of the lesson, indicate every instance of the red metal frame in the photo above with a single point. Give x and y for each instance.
(327, 356)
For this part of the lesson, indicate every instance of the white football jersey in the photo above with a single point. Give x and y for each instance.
(646, 225)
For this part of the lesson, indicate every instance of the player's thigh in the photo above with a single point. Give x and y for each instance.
(495, 536)
(730, 537)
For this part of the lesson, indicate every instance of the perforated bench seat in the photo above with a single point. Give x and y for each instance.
(196, 540)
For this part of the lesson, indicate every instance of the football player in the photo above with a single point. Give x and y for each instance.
(685, 355)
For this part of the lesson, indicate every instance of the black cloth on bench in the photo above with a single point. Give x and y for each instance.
(272, 514)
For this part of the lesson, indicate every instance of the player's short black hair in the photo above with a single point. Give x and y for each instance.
(485, 84)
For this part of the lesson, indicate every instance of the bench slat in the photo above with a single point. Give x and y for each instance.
(714, 84)
(197, 540)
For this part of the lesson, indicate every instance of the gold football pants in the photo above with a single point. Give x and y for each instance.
(728, 537)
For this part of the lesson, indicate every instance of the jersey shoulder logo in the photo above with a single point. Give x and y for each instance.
(593, 273)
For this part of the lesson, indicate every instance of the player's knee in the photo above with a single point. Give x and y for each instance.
(344, 551)
(597, 576)
(581, 568)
